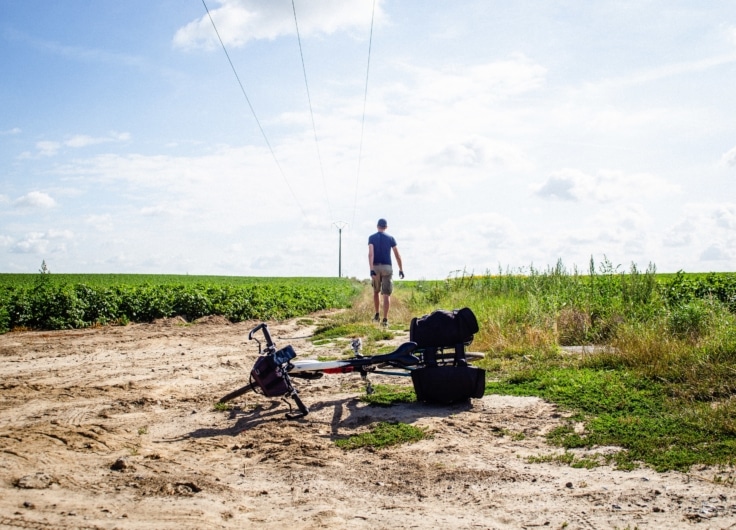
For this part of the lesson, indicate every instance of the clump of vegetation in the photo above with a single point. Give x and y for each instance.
(661, 384)
(387, 395)
(384, 434)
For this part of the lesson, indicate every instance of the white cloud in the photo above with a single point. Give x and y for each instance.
(101, 223)
(481, 152)
(566, 185)
(83, 140)
(660, 72)
(60, 234)
(42, 242)
(223, 189)
(715, 252)
(157, 210)
(35, 199)
(52, 148)
(48, 148)
(606, 186)
(10, 132)
(729, 158)
(705, 231)
(725, 216)
(680, 235)
(430, 189)
(240, 21)
(471, 87)
(732, 34)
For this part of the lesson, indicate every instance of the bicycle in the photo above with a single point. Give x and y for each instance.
(274, 369)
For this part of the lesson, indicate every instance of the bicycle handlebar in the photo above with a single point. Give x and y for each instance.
(269, 342)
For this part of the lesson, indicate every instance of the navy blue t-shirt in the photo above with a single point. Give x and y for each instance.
(382, 245)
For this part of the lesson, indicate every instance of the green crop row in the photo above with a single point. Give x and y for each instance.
(48, 302)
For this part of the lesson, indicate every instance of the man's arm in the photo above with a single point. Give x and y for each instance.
(370, 257)
(398, 258)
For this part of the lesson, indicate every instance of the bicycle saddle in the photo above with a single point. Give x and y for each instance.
(403, 354)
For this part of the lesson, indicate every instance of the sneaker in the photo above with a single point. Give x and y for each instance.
(375, 317)
(384, 323)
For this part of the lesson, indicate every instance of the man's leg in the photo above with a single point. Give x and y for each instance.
(376, 303)
(386, 305)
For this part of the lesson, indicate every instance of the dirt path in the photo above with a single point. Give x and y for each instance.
(115, 428)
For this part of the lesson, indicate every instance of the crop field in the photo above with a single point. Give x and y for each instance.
(70, 301)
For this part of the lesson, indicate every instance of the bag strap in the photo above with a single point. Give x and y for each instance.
(430, 356)
(460, 359)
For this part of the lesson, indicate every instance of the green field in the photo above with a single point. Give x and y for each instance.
(108, 280)
(66, 301)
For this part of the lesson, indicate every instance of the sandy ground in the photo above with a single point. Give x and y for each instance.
(115, 428)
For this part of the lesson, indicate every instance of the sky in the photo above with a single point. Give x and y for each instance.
(139, 137)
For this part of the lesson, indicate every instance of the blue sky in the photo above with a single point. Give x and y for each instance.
(490, 135)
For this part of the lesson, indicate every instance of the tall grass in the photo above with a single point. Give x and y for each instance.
(670, 337)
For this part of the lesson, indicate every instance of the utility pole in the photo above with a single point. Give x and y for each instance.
(340, 225)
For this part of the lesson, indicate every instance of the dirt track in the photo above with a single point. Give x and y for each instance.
(115, 428)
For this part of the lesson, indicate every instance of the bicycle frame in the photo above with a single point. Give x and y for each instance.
(279, 367)
(283, 367)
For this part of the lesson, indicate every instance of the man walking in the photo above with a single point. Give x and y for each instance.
(380, 246)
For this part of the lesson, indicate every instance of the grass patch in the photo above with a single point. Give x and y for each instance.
(334, 330)
(569, 459)
(387, 395)
(384, 434)
(624, 409)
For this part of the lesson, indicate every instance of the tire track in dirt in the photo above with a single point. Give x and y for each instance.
(116, 428)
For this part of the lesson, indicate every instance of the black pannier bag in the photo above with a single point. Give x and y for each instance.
(443, 328)
(449, 382)
(268, 372)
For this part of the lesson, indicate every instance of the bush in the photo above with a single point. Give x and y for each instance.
(690, 320)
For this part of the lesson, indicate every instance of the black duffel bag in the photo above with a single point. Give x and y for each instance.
(443, 328)
(444, 385)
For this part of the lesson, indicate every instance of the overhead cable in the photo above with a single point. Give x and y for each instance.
(242, 89)
(311, 112)
(362, 124)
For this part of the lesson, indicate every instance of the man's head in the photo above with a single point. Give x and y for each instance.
(382, 224)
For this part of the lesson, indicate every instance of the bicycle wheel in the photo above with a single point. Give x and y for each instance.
(474, 356)
(239, 392)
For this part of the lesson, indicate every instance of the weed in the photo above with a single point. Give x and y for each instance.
(384, 434)
(387, 395)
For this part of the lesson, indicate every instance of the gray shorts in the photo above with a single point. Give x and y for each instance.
(382, 280)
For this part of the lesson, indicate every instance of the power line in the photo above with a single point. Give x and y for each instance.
(242, 89)
(365, 99)
(311, 112)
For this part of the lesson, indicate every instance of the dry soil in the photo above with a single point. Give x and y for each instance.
(115, 427)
